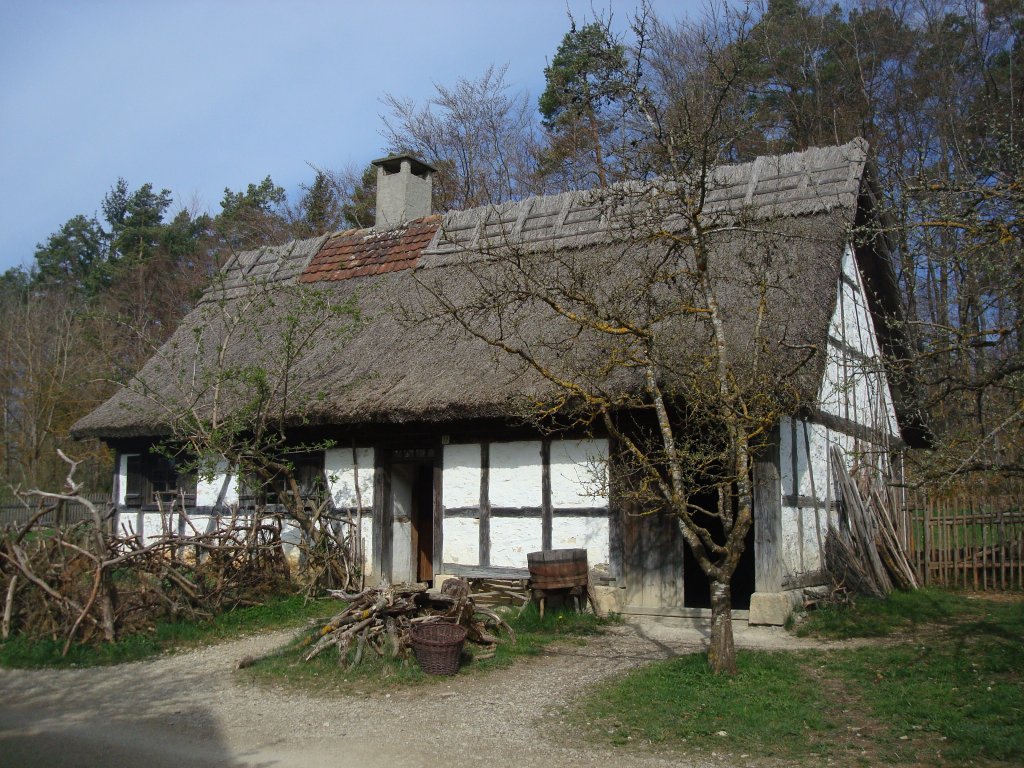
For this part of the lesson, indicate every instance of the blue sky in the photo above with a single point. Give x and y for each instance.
(196, 96)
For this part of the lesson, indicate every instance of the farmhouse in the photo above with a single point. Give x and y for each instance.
(429, 427)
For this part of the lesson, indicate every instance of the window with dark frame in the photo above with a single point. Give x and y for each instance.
(153, 479)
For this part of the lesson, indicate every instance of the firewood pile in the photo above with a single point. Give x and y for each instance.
(89, 582)
(380, 620)
(492, 592)
(864, 552)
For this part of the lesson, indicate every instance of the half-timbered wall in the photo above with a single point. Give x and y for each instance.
(343, 466)
(855, 412)
(503, 500)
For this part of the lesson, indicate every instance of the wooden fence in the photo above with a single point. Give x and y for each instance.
(13, 512)
(967, 542)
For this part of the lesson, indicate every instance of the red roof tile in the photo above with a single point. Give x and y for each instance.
(360, 252)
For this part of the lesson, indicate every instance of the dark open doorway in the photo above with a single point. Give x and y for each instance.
(696, 587)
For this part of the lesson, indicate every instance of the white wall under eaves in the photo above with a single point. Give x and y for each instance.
(855, 389)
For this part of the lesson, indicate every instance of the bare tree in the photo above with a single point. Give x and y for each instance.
(663, 330)
(479, 135)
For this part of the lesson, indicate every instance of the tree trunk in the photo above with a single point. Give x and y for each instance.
(721, 648)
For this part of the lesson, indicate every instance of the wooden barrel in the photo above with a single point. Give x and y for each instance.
(558, 568)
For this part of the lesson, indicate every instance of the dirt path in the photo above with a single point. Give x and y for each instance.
(193, 709)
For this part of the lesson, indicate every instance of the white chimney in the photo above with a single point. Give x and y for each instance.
(404, 189)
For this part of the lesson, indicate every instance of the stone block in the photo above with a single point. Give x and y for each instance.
(770, 608)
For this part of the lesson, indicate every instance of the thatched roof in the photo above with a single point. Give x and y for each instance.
(404, 360)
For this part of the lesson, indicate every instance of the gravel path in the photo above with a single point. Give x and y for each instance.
(193, 709)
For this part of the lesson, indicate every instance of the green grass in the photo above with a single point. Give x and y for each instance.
(945, 687)
(870, 617)
(325, 674)
(166, 636)
(772, 706)
(956, 688)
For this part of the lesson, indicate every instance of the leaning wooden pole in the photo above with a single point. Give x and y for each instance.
(358, 549)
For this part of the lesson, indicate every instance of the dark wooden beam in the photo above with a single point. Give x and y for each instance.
(545, 494)
(807, 502)
(438, 521)
(485, 572)
(485, 504)
(851, 428)
(387, 522)
(474, 513)
(870, 363)
(615, 543)
(809, 579)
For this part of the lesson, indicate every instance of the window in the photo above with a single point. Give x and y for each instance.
(151, 476)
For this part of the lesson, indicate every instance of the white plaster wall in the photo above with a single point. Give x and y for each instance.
(291, 536)
(589, 533)
(462, 540)
(515, 479)
(151, 525)
(340, 467)
(460, 479)
(512, 538)
(402, 477)
(579, 473)
(815, 526)
(804, 527)
(853, 388)
(208, 489)
(460, 488)
(122, 478)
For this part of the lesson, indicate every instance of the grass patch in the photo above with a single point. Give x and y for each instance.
(955, 690)
(771, 706)
(946, 688)
(870, 617)
(328, 674)
(276, 613)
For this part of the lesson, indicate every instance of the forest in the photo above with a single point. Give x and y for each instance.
(932, 86)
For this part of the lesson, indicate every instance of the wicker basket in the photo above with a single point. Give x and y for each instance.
(438, 646)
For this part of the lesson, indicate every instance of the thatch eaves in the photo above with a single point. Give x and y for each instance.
(404, 362)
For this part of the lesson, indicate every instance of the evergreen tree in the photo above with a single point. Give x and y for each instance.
(587, 81)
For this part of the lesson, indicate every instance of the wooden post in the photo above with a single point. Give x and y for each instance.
(615, 521)
(485, 505)
(768, 516)
(438, 523)
(955, 541)
(928, 541)
(545, 485)
(382, 526)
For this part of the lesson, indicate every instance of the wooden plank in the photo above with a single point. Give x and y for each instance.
(672, 545)
(652, 561)
(767, 500)
(794, 470)
(387, 518)
(984, 557)
(485, 505)
(1002, 550)
(526, 512)
(956, 547)
(545, 486)
(438, 532)
(632, 554)
(377, 523)
(615, 521)
(928, 541)
(482, 572)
